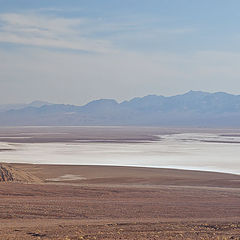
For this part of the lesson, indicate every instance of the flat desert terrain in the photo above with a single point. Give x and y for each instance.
(100, 202)
(48, 192)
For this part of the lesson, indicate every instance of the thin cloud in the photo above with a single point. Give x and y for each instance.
(83, 34)
(47, 31)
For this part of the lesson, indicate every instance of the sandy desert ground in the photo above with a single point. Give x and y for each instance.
(105, 202)
(97, 202)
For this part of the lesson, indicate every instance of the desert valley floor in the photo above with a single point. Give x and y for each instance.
(59, 201)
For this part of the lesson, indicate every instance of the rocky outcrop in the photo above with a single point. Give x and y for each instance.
(5, 174)
(9, 173)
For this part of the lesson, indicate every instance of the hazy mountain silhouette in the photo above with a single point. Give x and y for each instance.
(6, 107)
(194, 108)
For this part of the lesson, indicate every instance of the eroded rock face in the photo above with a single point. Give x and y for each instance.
(8, 173)
(5, 174)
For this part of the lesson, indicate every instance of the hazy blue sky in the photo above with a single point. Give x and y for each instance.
(73, 51)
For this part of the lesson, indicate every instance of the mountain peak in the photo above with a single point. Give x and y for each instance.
(38, 103)
(102, 102)
(192, 92)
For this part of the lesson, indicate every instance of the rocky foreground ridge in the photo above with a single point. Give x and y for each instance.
(13, 174)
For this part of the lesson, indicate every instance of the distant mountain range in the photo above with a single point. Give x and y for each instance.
(6, 107)
(193, 109)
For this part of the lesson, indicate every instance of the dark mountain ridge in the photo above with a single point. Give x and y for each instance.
(194, 108)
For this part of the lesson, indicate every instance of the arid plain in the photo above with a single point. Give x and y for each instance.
(53, 201)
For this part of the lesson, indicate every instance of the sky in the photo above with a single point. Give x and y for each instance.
(75, 51)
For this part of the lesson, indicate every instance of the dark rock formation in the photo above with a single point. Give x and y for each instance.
(5, 174)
